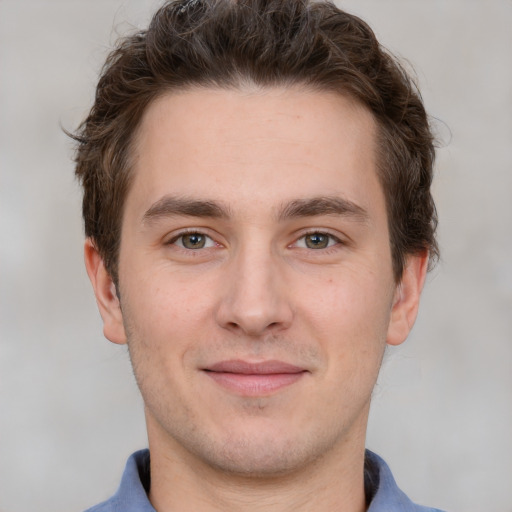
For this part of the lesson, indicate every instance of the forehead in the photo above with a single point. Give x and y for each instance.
(242, 146)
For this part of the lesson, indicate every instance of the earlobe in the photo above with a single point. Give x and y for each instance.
(105, 292)
(407, 298)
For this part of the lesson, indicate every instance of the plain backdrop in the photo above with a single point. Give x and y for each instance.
(70, 413)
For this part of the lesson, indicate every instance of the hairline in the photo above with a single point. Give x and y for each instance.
(242, 84)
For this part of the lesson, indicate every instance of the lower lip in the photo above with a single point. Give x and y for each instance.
(254, 384)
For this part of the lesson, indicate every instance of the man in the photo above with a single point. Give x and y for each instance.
(259, 225)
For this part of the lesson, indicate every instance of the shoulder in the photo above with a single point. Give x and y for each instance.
(131, 495)
(383, 491)
(106, 506)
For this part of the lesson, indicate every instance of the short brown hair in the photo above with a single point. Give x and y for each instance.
(226, 43)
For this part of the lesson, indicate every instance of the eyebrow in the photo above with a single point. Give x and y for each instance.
(171, 206)
(326, 205)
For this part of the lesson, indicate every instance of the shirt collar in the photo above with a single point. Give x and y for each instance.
(380, 488)
(387, 497)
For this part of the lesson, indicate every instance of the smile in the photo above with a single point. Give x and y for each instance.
(254, 379)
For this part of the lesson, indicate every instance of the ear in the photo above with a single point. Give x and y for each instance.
(106, 296)
(407, 298)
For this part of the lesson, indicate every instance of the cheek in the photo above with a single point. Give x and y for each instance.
(162, 296)
(357, 300)
(170, 322)
(349, 319)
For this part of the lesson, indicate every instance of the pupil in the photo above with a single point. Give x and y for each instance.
(316, 241)
(193, 241)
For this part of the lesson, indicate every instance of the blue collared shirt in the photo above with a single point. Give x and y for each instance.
(380, 487)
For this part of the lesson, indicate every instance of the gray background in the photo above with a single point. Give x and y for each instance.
(69, 410)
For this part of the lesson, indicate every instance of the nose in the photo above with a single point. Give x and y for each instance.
(254, 300)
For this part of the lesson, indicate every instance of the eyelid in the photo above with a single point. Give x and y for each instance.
(339, 240)
(188, 231)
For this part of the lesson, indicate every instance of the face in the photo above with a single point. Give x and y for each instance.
(255, 276)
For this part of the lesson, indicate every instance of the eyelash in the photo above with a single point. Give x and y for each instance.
(174, 239)
(332, 238)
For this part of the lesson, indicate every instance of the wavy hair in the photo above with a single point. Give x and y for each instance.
(229, 43)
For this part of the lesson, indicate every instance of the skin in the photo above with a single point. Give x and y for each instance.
(258, 290)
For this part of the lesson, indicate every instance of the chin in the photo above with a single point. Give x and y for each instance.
(261, 454)
(257, 461)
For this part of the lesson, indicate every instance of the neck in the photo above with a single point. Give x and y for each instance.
(179, 481)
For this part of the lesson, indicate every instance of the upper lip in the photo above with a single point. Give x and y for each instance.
(248, 368)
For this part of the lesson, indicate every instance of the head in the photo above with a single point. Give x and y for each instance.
(231, 45)
(257, 204)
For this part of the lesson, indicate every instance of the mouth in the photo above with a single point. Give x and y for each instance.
(254, 379)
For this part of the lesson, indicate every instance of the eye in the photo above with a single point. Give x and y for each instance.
(317, 240)
(193, 241)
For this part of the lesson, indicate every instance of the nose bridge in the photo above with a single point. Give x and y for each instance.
(255, 299)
